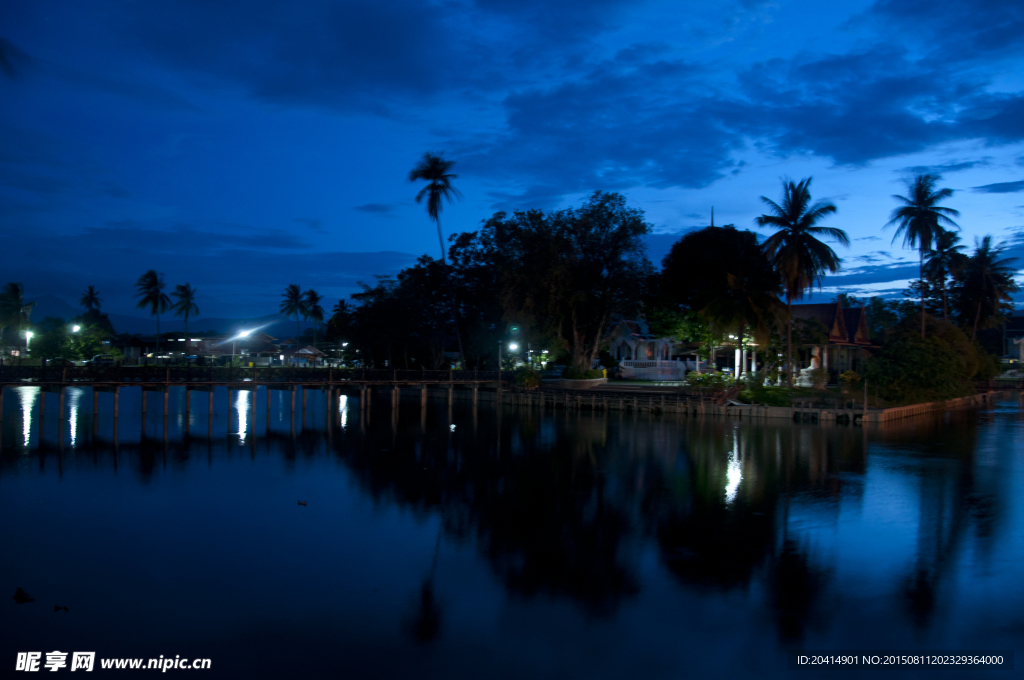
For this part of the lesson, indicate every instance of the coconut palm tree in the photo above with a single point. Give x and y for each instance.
(91, 299)
(794, 249)
(186, 304)
(944, 261)
(435, 170)
(987, 282)
(150, 291)
(312, 309)
(919, 220)
(293, 304)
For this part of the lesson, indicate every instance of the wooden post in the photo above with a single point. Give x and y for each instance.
(117, 403)
(211, 405)
(865, 402)
(423, 396)
(188, 407)
(143, 401)
(293, 401)
(476, 389)
(304, 392)
(451, 391)
(2, 390)
(167, 396)
(60, 416)
(268, 407)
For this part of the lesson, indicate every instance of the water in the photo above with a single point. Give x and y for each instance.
(462, 544)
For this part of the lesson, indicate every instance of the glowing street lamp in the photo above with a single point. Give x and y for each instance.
(28, 338)
(241, 334)
(513, 347)
(76, 328)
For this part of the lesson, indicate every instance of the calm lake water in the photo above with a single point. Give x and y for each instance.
(511, 544)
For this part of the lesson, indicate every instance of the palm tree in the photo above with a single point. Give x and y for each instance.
(312, 309)
(434, 169)
(944, 261)
(987, 281)
(919, 220)
(186, 304)
(150, 291)
(14, 309)
(90, 299)
(794, 251)
(293, 304)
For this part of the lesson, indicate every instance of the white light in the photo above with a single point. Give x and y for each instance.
(344, 344)
(544, 352)
(513, 347)
(244, 334)
(452, 428)
(734, 474)
(196, 339)
(29, 334)
(75, 329)
(282, 357)
(181, 339)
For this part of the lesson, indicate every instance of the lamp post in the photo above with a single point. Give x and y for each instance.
(241, 334)
(28, 339)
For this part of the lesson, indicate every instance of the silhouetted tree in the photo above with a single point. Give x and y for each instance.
(794, 250)
(150, 290)
(435, 170)
(293, 305)
(186, 304)
(919, 220)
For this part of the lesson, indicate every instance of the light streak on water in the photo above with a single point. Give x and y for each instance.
(242, 407)
(343, 410)
(734, 474)
(27, 396)
(74, 396)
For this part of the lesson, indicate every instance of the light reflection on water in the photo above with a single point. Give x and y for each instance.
(242, 409)
(27, 397)
(551, 538)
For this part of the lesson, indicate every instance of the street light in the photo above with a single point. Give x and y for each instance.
(28, 337)
(513, 347)
(76, 328)
(241, 334)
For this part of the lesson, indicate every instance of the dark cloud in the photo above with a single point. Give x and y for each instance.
(944, 168)
(1000, 187)
(868, 238)
(376, 208)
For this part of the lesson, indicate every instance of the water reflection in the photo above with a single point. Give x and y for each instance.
(27, 398)
(74, 395)
(790, 530)
(242, 412)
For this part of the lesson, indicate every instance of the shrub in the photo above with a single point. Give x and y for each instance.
(607, 360)
(527, 378)
(909, 369)
(850, 380)
(819, 378)
(765, 396)
(989, 365)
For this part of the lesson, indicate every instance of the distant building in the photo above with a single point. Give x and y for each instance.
(643, 355)
(848, 339)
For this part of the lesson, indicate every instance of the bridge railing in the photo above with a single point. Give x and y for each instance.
(223, 374)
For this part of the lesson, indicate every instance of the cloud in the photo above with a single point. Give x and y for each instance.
(313, 223)
(1000, 187)
(376, 208)
(868, 238)
(944, 168)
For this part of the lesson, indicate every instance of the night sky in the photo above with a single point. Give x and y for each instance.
(242, 146)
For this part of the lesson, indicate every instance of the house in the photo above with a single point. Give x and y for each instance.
(641, 354)
(847, 338)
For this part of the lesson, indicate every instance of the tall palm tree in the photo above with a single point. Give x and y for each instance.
(987, 280)
(919, 220)
(150, 291)
(794, 250)
(293, 304)
(14, 309)
(435, 170)
(186, 304)
(90, 299)
(312, 309)
(944, 261)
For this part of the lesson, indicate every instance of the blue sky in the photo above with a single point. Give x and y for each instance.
(242, 146)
